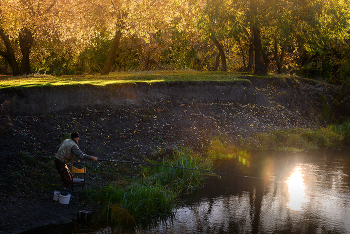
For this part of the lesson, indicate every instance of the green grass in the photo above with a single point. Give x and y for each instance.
(220, 150)
(295, 139)
(181, 180)
(38, 80)
(154, 192)
(343, 128)
(142, 201)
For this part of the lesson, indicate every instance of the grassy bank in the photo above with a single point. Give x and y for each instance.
(118, 78)
(298, 139)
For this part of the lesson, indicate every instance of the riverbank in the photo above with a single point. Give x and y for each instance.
(134, 122)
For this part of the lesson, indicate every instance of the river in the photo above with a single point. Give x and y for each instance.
(305, 192)
(266, 192)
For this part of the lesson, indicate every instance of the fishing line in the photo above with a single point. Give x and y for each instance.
(185, 168)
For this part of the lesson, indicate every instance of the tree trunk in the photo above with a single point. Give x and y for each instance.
(222, 54)
(120, 25)
(250, 58)
(25, 43)
(243, 55)
(146, 61)
(260, 68)
(196, 64)
(250, 64)
(266, 60)
(111, 54)
(9, 54)
(217, 62)
(279, 60)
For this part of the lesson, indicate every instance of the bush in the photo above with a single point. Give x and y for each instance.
(93, 57)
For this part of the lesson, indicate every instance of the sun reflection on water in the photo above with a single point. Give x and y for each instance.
(296, 189)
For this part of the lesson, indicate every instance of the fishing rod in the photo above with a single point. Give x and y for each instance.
(185, 168)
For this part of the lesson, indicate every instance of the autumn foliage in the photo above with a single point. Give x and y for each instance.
(308, 37)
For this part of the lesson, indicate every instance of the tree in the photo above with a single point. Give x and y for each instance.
(9, 54)
(141, 18)
(26, 39)
(112, 51)
(260, 68)
(26, 24)
(321, 24)
(221, 54)
(263, 30)
(213, 23)
(254, 17)
(21, 20)
(240, 20)
(274, 26)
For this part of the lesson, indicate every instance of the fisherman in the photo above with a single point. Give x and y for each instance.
(66, 154)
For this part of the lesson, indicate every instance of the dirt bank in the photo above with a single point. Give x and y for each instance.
(132, 122)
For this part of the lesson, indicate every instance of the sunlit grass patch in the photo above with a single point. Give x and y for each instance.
(288, 149)
(294, 139)
(117, 78)
(219, 150)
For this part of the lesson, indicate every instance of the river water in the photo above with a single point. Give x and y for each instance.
(266, 192)
(304, 192)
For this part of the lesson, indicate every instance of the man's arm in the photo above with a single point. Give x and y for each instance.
(77, 152)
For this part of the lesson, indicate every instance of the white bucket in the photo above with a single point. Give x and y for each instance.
(64, 199)
(55, 195)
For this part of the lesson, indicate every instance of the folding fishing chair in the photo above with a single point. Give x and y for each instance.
(80, 179)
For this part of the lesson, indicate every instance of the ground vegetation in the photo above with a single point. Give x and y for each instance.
(149, 131)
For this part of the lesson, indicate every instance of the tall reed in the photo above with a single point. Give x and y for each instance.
(142, 201)
(155, 195)
(182, 180)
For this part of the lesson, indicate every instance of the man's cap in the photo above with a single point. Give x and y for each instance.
(74, 135)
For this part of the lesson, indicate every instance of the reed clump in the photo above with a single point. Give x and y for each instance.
(181, 180)
(154, 193)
